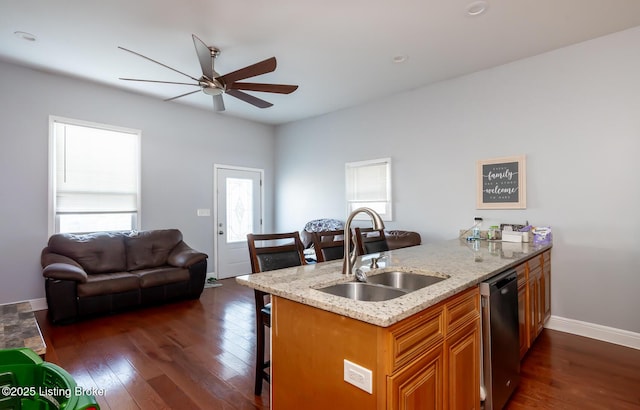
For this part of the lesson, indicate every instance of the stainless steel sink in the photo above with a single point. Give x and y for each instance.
(363, 291)
(408, 281)
(383, 286)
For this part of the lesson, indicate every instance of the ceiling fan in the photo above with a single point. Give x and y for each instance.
(214, 84)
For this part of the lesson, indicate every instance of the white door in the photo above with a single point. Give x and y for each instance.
(238, 212)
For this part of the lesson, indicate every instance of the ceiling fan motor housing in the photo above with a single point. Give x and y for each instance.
(211, 87)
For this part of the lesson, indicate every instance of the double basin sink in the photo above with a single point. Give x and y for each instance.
(383, 286)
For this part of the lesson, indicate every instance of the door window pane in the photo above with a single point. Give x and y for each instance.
(239, 209)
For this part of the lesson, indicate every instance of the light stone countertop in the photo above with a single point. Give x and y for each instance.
(456, 259)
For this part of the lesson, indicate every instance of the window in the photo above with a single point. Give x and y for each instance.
(94, 177)
(369, 184)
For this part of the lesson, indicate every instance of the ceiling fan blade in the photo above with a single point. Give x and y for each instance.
(265, 88)
(204, 56)
(263, 67)
(157, 81)
(249, 98)
(181, 95)
(218, 103)
(157, 62)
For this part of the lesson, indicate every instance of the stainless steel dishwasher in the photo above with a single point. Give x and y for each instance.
(500, 338)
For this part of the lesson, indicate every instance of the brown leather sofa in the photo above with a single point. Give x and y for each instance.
(396, 239)
(105, 272)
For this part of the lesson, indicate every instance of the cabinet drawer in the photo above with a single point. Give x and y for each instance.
(461, 310)
(416, 336)
(534, 262)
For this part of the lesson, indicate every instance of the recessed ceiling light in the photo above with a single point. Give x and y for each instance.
(400, 59)
(477, 7)
(24, 35)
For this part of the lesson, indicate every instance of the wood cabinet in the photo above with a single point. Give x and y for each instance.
(523, 309)
(430, 360)
(535, 325)
(420, 384)
(462, 381)
(534, 298)
(546, 284)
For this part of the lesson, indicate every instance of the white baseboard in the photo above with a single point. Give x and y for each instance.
(594, 331)
(38, 304)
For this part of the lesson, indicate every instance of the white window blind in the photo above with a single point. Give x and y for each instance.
(369, 185)
(95, 178)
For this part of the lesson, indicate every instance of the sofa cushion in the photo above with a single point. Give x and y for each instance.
(108, 283)
(98, 252)
(150, 249)
(161, 276)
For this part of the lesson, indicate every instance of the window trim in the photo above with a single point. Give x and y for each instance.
(53, 119)
(387, 216)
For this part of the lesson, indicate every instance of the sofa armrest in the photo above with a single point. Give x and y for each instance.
(183, 256)
(65, 271)
(397, 239)
(56, 266)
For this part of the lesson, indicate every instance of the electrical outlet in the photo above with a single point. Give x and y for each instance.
(203, 212)
(359, 376)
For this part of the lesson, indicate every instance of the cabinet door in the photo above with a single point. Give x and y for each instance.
(546, 287)
(462, 356)
(533, 308)
(536, 304)
(523, 315)
(419, 385)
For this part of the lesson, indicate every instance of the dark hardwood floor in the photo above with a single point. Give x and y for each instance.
(200, 354)
(564, 371)
(185, 355)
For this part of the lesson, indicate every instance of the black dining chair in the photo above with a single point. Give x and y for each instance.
(328, 245)
(270, 252)
(370, 240)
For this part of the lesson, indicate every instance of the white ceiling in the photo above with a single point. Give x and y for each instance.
(339, 52)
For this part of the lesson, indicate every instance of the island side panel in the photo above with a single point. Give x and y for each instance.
(309, 346)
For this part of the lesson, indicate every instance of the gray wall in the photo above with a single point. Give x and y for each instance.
(179, 148)
(575, 114)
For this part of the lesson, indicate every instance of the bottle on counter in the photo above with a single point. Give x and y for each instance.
(494, 233)
(475, 233)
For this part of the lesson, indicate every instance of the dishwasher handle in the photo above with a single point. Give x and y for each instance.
(502, 283)
(497, 283)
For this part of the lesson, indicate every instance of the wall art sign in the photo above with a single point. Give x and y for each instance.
(502, 183)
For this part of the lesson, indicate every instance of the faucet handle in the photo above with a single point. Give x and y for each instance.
(374, 263)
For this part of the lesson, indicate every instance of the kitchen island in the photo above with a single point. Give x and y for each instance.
(423, 348)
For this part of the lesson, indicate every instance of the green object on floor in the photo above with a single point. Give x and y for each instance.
(29, 383)
(212, 282)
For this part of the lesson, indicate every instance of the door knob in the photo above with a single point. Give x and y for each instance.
(220, 233)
